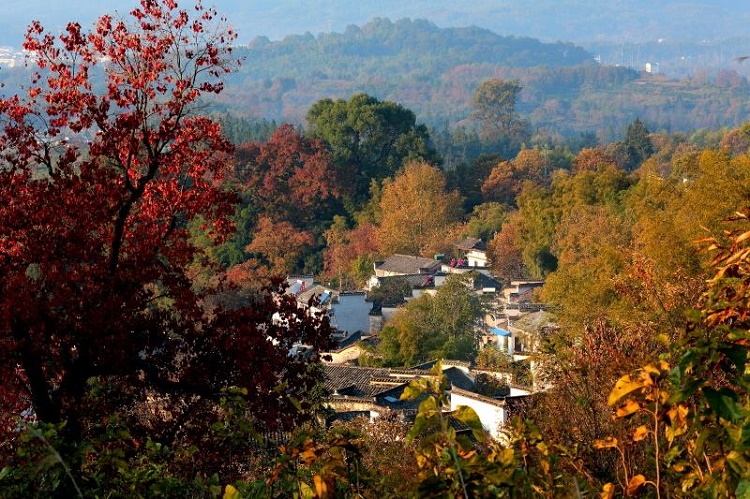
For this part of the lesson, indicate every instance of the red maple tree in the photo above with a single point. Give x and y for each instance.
(103, 163)
(290, 176)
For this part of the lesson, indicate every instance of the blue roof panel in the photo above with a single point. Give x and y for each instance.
(499, 332)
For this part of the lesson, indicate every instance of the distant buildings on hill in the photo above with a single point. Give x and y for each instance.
(9, 58)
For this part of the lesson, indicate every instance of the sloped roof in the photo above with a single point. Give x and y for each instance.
(342, 343)
(458, 378)
(324, 294)
(482, 281)
(365, 381)
(470, 243)
(296, 288)
(478, 397)
(407, 264)
(416, 281)
(452, 370)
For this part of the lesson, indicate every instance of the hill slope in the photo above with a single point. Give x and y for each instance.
(434, 71)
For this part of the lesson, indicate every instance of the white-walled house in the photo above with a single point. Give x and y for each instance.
(520, 290)
(501, 338)
(347, 347)
(347, 311)
(376, 391)
(491, 412)
(474, 253)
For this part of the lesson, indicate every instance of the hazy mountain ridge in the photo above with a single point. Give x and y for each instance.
(382, 46)
(434, 71)
(568, 20)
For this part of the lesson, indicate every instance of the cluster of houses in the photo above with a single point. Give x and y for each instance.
(356, 319)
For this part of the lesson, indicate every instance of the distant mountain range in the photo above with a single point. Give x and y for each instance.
(568, 88)
(579, 21)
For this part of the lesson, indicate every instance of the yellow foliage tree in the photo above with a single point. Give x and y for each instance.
(417, 211)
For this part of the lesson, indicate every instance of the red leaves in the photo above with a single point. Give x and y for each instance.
(94, 248)
(289, 174)
(74, 37)
(181, 20)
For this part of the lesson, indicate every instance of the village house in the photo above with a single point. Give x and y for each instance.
(473, 253)
(346, 347)
(401, 278)
(368, 392)
(418, 283)
(404, 265)
(512, 304)
(389, 293)
(520, 338)
(376, 392)
(500, 338)
(348, 312)
(519, 296)
(492, 412)
(482, 282)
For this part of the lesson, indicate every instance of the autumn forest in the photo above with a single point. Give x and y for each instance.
(160, 183)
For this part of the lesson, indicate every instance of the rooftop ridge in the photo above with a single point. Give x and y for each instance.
(478, 397)
(388, 380)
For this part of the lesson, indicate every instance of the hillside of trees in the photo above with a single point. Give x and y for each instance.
(434, 71)
(148, 347)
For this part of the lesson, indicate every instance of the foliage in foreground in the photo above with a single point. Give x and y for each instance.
(682, 425)
(108, 355)
(686, 424)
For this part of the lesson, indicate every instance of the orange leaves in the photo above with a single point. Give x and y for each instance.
(645, 383)
(727, 295)
(608, 491)
(634, 484)
(607, 443)
(592, 160)
(321, 487)
(628, 408)
(279, 243)
(640, 433)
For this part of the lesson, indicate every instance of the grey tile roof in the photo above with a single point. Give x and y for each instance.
(452, 371)
(484, 281)
(365, 381)
(470, 243)
(482, 398)
(458, 378)
(416, 281)
(314, 290)
(407, 264)
(342, 343)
